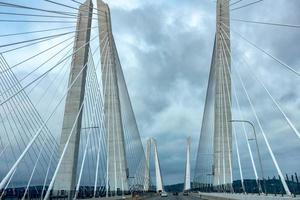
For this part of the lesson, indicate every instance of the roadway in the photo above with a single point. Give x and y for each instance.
(173, 197)
(218, 196)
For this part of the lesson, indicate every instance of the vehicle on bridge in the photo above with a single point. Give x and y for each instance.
(164, 194)
(175, 193)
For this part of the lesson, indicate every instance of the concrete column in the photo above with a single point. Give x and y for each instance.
(117, 172)
(147, 166)
(187, 177)
(159, 182)
(66, 177)
(222, 126)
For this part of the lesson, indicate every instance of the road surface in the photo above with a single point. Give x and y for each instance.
(172, 197)
(219, 196)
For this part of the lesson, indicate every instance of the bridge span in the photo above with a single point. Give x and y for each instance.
(218, 196)
(68, 128)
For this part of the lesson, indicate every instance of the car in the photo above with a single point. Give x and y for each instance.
(175, 193)
(164, 194)
(185, 193)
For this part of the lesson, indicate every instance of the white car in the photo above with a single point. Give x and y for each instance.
(164, 194)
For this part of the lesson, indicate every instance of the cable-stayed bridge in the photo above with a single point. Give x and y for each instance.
(97, 150)
(228, 128)
(68, 129)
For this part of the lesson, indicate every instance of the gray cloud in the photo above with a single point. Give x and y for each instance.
(166, 63)
(165, 49)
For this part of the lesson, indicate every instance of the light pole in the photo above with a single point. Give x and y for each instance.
(258, 151)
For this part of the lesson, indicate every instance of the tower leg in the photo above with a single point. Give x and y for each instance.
(159, 182)
(222, 130)
(187, 180)
(66, 178)
(117, 171)
(147, 167)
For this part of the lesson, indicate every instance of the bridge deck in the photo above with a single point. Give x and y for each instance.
(125, 197)
(220, 196)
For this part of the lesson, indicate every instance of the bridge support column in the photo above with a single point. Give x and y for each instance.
(66, 178)
(117, 172)
(147, 167)
(159, 183)
(222, 169)
(187, 177)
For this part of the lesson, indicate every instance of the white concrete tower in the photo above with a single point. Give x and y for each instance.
(187, 177)
(117, 172)
(66, 177)
(159, 182)
(147, 167)
(222, 127)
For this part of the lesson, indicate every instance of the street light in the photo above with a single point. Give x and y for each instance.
(257, 147)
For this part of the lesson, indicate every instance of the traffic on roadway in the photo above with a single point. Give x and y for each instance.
(176, 196)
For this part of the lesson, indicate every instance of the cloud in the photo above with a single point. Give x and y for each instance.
(172, 72)
(165, 49)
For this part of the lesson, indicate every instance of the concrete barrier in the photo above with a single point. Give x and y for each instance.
(228, 196)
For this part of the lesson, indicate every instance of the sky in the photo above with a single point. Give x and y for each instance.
(165, 47)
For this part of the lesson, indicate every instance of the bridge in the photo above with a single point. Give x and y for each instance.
(68, 128)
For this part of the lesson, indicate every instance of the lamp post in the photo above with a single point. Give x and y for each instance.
(258, 151)
(208, 184)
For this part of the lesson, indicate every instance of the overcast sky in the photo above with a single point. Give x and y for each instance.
(165, 47)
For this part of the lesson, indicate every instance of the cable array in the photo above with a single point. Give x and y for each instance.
(33, 93)
(259, 143)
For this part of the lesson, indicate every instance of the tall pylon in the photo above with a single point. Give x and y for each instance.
(187, 177)
(222, 169)
(147, 167)
(159, 182)
(66, 176)
(117, 172)
(158, 178)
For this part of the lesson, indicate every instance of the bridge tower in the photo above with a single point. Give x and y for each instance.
(222, 170)
(66, 176)
(187, 177)
(147, 167)
(117, 172)
(159, 182)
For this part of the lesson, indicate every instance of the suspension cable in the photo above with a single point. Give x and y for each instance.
(45, 73)
(68, 139)
(37, 31)
(265, 52)
(247, 5)
(5, 4)
(241, 115)
(236, 2)
(266, 23)
(71, 7)
(292, 126)
(8, 175)
(263, 133)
